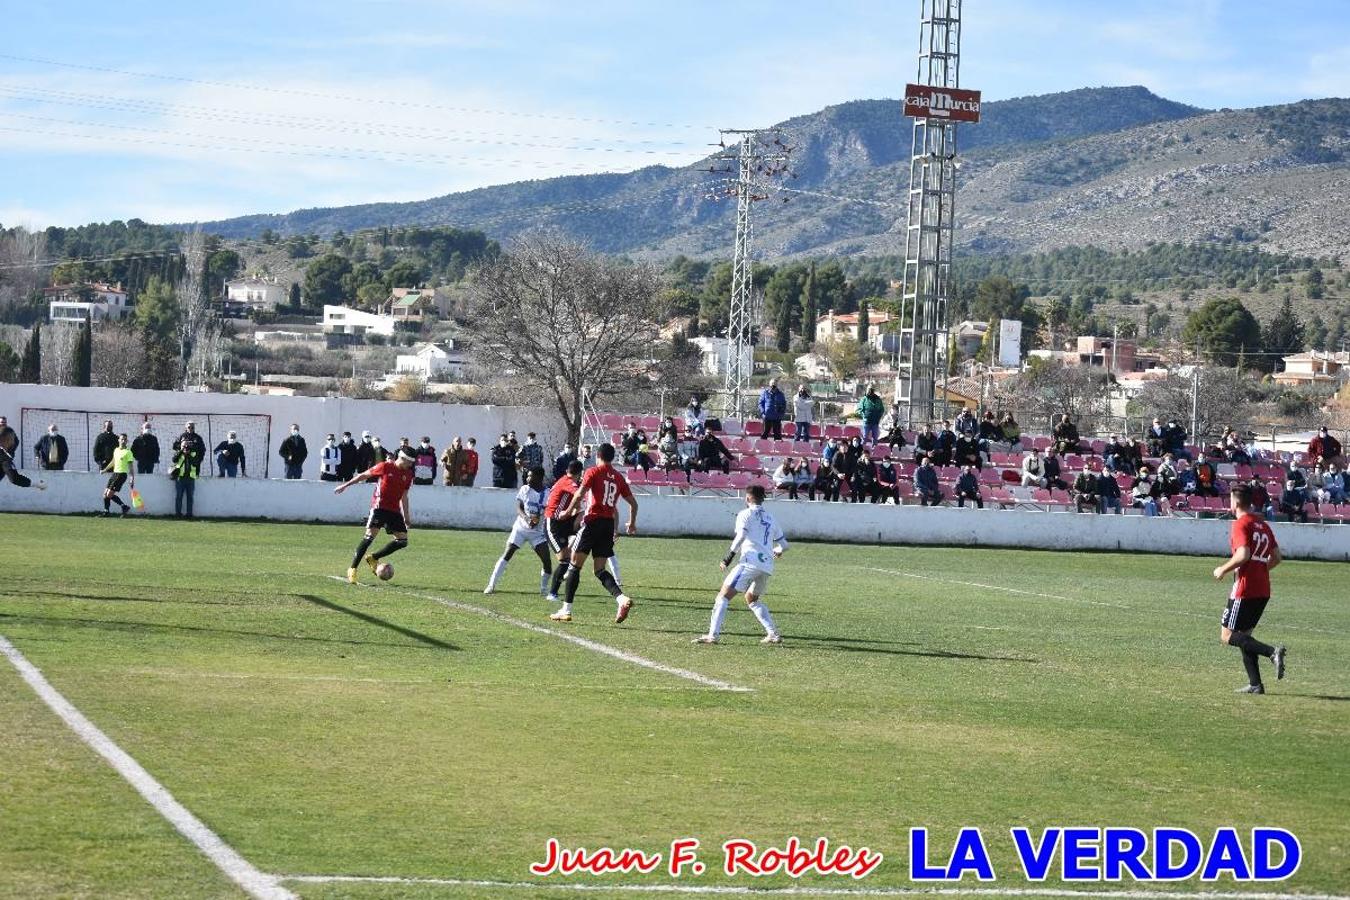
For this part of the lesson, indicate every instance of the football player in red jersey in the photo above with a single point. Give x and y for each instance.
(601, 488)
(1255, 553)
(388, 508)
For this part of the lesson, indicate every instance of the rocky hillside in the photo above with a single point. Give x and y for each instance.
(1115, 167)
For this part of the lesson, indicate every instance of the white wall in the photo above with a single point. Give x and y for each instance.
(438, 506)
(316, 416)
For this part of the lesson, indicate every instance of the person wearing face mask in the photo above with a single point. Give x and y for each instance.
(470, 463)
(529, 455)
(346, 457)
(230, 460)
(563, 461)
(503, 464)
(424, 466)
(330, 460)
(146, 450)
(365, 453)
(52, 450)
(293, 453)
(104, 445)
(192, 443)
(452, 463)
(378, 454)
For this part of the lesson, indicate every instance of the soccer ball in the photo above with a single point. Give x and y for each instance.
(385, 571)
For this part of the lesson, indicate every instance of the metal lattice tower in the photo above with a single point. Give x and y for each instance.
(759, 154)
(922, 358)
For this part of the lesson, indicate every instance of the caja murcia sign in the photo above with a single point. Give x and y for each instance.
(926, 102)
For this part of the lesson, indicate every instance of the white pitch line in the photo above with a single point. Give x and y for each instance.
(593, 646)
(254, 882)
(804, 891)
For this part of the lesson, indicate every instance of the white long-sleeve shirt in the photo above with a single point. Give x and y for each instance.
(757, 534)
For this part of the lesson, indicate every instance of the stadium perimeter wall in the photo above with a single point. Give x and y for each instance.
(487, 508)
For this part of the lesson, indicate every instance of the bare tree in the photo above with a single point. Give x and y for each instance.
(119, 356)
(21, 253)
(1046, 389)
(58, 350)
(559, 321)
(1222, 396)
(198, 329)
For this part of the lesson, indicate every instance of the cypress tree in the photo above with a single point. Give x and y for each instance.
(30, 367)
(82, 360)
(864, 321)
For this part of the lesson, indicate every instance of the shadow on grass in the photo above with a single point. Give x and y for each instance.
(855, 645)
(377, 621)
(60, 595)
(1336, 698)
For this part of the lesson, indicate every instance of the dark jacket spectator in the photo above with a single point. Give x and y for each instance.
(104, 445)
(926, 484)
(827, 482)
(946, 446)
(1206, 479)
(713, 454)
(925, 442)
(193, 444)
(229, 455)
(1156, 437)
(1052, 472)
(1323, 449)
(530, 455)
(1066, 436)
(989, 429)
(967, 451)
(863, 480)
(293, 453)
(895, 438)
(966, 423)
(52, 450)
(888, 481)
(563, 460)
(870, 409)
(1108, 492)
(145, 449)
(968, 488)
(347, 457)
(1012, 432)
(503, 464)
(1085, 492)
(772, 403)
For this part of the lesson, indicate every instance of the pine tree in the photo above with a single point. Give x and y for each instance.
(30, 367)
(1283, 335)
(82, 359)
(1317, 333)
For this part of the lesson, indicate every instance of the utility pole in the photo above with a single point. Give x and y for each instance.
(758, 154)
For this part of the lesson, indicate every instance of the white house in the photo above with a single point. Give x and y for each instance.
(832, 324)
(428, 361)
(69, 303)
(255, 293)
(716, 353)
(345, 320)
(1313, 367)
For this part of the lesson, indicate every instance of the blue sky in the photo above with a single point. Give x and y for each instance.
(268, 107)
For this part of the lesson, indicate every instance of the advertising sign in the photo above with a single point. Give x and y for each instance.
(1010, 342)
(925, 102)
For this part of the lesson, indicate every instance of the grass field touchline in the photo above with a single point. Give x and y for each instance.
(735, 890)
(227, 859)
(593, 646)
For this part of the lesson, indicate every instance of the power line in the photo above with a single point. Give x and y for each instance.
(346, 98)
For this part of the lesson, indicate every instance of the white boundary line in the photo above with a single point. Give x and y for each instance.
(737, 890)
(593, 646)
(255, 883)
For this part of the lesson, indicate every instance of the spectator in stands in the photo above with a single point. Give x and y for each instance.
(895, 436)
(772, 409)
(668, 426)
(967, 450)
(104, 445)
(511, 439)
(862, 481)
(803, 413)
(806, 479)
(888, 481)
(854, 450)
(230, 459)
(968, 487)
(1261, 498)
(330, 459)
(1206, 479)
(1108, 490)
(1085, 492)
(990, 432)
(196, 445)
(926, 484)
(587, 456)
(1033, 469)
(424, 461)
(146, 450)
(1145, 493)
(1066, 436)
(925, 442)
(688, 449)
(1234, 448)
(785, 477)
(1334, 484)
(503, 460)
(51, 450)
(669, 448)
(1323, 449)
(564, 459)
(628, 444)
(452, 463)
(842, 464)
(1116, 456)
(1054, 478)
(829, 449)
(644, 452)
(293, 453)
(966, 423)
(403, 445)
(184, 472)
(347, 457)
(713, 454)
(1175, 441)
(870, 409)
(694, 417)
(1012, 432)
(365, 452)
(1169, 481)
(946, 445)
(470, 463)
(1293, 502)
(1156, 436)
(827, 481)
(530, 455)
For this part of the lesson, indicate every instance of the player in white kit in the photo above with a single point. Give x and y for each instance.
(528, 528)
(759, 541)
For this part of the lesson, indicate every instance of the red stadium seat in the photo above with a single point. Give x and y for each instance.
(852, 431)
(790, 429)
(754, 428)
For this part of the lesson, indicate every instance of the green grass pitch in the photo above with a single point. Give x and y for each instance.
(325, 729)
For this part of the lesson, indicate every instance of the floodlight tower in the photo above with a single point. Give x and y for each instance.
(936, 103)
(759, 153)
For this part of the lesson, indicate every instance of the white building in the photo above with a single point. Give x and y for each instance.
(345, 320)
(716, 353)
(428, 361)
(255, 293)
(69, 303)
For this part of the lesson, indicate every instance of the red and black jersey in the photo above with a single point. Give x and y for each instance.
(560, 496)
(393, 484)
(602, 487)
(1253, 576)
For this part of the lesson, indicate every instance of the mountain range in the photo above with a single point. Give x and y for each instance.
(1113, 167)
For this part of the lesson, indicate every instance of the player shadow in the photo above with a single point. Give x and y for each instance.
(759, 634)
(859, 645)
(1335, 698)
(377, 621)
(120, 625)
(703, 604)
(62, 595)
